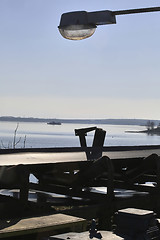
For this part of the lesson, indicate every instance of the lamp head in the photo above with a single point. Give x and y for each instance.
(80, 25)
(75, 26)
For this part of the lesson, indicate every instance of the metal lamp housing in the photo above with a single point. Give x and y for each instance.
(80, 25)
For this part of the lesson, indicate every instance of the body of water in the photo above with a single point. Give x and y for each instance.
(41, 135)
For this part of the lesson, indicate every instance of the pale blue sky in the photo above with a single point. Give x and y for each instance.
(113, 74)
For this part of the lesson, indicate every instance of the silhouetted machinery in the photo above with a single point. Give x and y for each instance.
(98, 141)
(78, 180)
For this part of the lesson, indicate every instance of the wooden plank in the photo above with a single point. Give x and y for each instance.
(131, 154)
(69, 192)
(106, 235)
(135, 212)
(37, 158)
(57, 157)
(51, 223)
(80, 149)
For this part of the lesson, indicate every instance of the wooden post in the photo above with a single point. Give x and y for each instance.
(82, 138)
(24, 184)
(98, 143)
(157, 204)
(108, 208)
(24, 189)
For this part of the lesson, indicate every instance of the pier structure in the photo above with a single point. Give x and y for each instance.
(85, 182)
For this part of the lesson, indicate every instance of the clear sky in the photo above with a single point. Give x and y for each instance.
(113, 74)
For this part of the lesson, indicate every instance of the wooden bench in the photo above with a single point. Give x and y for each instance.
(45, 225)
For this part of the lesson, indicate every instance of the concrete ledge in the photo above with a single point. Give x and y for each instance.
(85, 236)
(45, 224)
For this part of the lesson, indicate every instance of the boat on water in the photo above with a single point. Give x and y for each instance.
(54, 123)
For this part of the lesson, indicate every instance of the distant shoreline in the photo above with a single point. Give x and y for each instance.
(139, 122)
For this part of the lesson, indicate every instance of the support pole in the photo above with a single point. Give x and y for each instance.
(133, 11)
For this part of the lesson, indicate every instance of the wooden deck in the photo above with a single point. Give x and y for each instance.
(61, 172)
(44, 224)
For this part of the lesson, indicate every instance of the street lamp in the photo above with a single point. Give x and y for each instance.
(81, 24)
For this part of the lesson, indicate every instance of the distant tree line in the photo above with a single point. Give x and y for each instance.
(151, 125)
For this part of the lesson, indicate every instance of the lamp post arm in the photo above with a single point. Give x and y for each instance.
(81, 24)
(140, 10)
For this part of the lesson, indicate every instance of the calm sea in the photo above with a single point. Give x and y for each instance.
(40, 135)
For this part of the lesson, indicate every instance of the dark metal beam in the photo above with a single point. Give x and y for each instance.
(140, 10)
